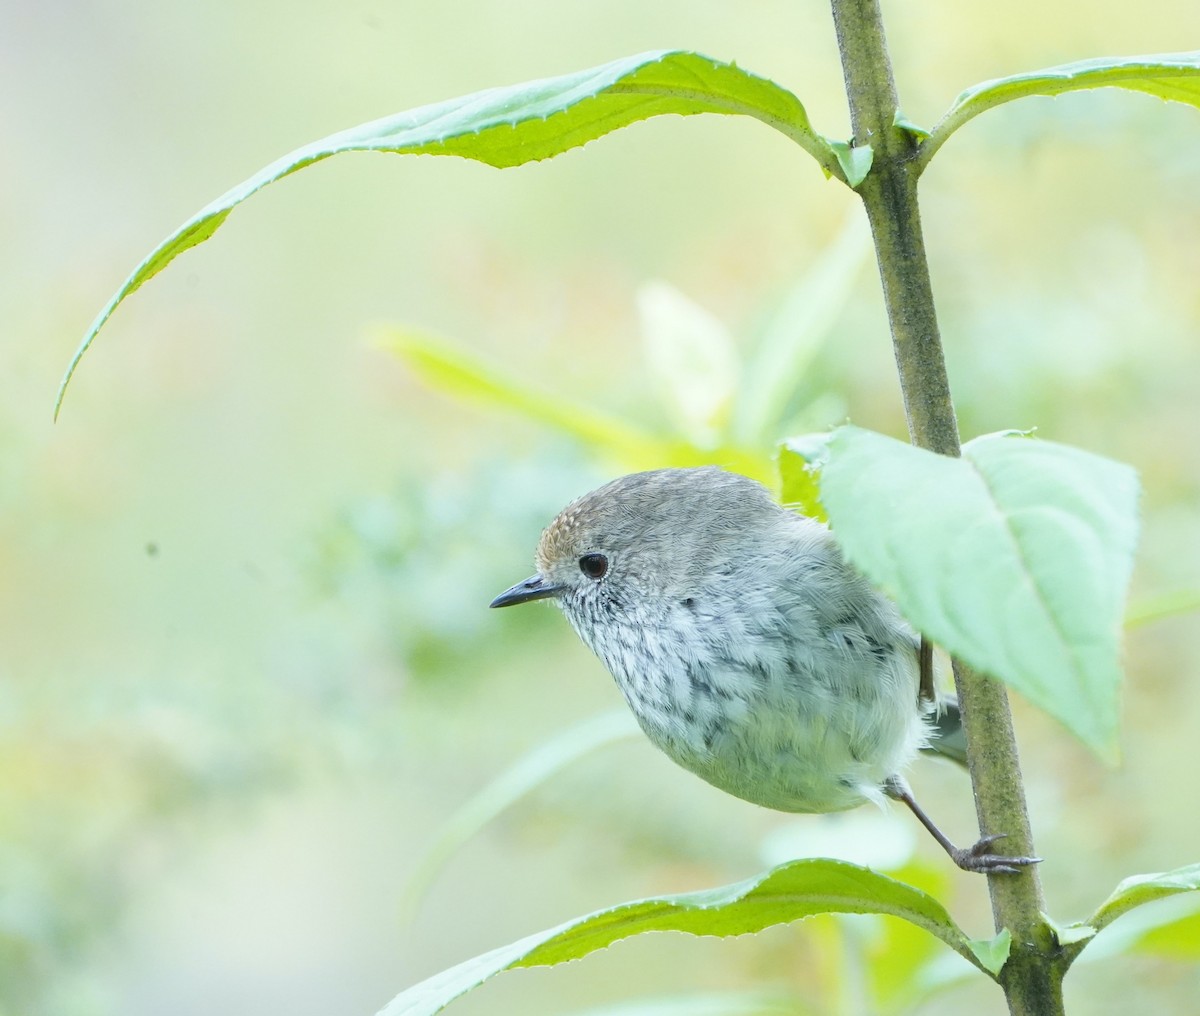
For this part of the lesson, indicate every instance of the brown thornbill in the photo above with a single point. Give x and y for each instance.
(747, 647)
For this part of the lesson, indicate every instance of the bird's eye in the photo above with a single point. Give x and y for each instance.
(594, 566)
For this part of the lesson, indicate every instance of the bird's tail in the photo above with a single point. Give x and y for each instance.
(946, 735)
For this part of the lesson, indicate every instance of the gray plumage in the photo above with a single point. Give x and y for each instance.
(748, 649)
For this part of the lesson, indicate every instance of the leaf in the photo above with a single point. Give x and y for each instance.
(797, 332)
(692, 356)
(1138, 890)
(992, 953)
(449, 368)
(891, 960)
(1176, 939)
(1015, 557)
(788, 893)
(527, 774)
(854, 160)
(1070, 935)
(1158, 608)
(511, 126)
(907, 125)
(1170, 928)
(1170, 76)
(800, 462)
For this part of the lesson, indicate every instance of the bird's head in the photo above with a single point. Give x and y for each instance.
(646, 537)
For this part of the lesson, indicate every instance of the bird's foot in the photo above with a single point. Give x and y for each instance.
(979, 858)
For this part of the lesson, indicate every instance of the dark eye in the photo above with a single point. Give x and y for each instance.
(594, 566)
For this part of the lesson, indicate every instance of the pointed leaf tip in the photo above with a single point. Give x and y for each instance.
(512, 126)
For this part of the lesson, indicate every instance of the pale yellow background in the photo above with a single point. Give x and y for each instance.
(228, 728)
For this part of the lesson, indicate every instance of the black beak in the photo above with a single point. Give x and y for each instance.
(534, 588)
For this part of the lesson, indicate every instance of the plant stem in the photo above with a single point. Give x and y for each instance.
(1032, 977)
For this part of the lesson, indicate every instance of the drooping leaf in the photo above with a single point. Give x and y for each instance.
(788, 893)
(511, 126)
(452, 369)
(1015, 557)
(1170, 76)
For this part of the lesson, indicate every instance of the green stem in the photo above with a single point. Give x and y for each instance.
(1032, 977)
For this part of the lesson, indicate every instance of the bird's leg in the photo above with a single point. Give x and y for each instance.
(927, 692)
(976, 858)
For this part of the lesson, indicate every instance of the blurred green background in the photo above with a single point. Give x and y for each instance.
(246, 667)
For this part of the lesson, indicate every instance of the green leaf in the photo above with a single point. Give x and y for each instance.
(1015, 557)
(1176, 939)
(992, 953)
(1073, 935)
(798, 331)
(890, 964)
(511, 126)
(1171, 76)
(526, 775)
(788, 893)
(447, 367)
(1158, 608)
(905, 124)
(692, 357)
(800, 462)
(1171, 928)
(1138, 890)
(854, 160)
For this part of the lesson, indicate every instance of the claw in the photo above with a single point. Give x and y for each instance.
(977, 858)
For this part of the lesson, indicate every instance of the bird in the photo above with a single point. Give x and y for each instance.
(751, 652)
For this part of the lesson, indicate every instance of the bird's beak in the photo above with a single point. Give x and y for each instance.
(535, 588)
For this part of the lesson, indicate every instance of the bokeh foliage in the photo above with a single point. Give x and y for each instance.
(209, 646)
